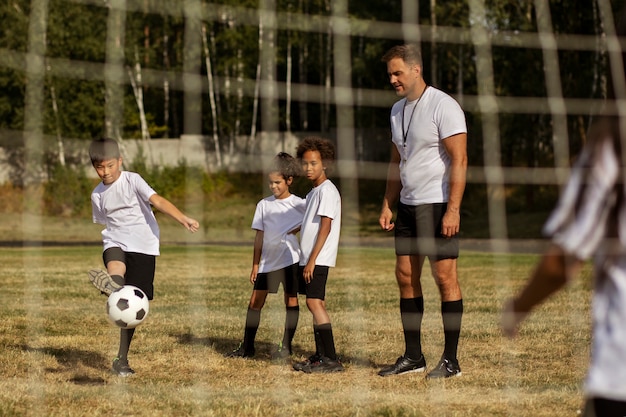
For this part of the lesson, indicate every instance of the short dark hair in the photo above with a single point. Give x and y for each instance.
(409, 53)
(314, 143)
(286, 165)
(103, 149)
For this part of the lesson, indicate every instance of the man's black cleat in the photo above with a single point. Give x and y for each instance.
(404, 365)
(445, 369)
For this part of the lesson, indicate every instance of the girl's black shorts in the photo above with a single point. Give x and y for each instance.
(269, 281)
(140, 268)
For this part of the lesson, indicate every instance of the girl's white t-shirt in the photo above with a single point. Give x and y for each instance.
(323, 200)
(276, 218)
(124, 208)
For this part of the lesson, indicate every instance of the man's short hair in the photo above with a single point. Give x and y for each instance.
(409, 53)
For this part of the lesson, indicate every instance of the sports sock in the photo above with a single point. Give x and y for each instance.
(253, 318)
(118, 279)
(126, 336)
(328, 342)
(411, 313)
(319, 345)
(452, 313)
(291, 323)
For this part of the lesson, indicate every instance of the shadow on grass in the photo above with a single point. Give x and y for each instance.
(70, 361)
(263, 349)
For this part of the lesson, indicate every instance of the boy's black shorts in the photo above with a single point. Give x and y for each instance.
(269, 281)
(418, 232)
(140, 268)
(317, 287)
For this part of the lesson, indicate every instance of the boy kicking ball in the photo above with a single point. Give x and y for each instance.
(123, 202)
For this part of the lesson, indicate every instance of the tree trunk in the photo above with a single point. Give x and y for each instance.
(209, 74)
(137, 85)
(433, 43)
(239, 102)
(55, 110)
(257, 86)
(166, 85)
(327, 73)
(288, 80)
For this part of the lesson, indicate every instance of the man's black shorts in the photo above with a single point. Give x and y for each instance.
(269, 281)
(140, 268)
(418, 232)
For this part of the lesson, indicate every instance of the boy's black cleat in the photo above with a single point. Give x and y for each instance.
(120, 367)
(240, 352)
(404, 365)
(446, 368)
(323, 365)
(299, 366)
(103, 281)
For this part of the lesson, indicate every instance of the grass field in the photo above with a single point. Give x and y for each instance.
(57, 345)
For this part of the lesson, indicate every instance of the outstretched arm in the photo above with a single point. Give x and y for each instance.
(554, 270)
(165, 206)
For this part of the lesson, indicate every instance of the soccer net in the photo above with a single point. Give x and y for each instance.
(235, 83)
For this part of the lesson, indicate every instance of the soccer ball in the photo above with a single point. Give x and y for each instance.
(127, 307)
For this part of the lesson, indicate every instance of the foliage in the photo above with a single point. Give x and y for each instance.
(67, 191)
(155, 37)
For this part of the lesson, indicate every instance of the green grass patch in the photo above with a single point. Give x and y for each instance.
(58, 345)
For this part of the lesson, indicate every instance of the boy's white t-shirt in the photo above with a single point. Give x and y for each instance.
(323, 200)
(124, 208)
(425, 164)
(276, 218)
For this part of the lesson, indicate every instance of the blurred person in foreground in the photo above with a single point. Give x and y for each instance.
(590, 221)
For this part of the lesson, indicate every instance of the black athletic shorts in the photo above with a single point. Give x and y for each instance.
(601, 407)
(317, 287)
(418, 232)
(269, 281)
(140, 268)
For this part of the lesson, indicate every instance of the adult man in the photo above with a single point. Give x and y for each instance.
(426, 177)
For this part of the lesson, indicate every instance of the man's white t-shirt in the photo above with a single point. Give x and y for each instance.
(323, 200)
(124, 208)
(276, 218)
(425, 164)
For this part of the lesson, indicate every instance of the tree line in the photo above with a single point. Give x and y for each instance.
(228, 69)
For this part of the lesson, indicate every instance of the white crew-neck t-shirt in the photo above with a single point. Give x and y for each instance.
(276, 218)
(425, 164)
(124, 208)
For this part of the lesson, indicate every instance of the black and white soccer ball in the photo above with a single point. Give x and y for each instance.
(127, 307)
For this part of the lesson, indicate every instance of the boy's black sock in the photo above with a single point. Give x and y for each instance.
(118, 279)
(253, 318)
(319, 345)
(126, 336)
(411, 313)
(452, 313)
(328, 342)
(291, 323)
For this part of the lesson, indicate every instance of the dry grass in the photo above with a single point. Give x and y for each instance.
(57, 345)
